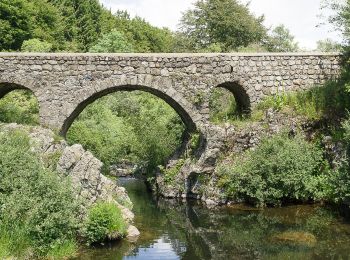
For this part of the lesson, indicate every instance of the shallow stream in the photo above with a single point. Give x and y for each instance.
(173, 229)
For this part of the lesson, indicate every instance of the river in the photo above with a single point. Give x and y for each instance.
(173, 229)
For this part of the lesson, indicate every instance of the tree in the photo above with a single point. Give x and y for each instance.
(143, 36)
(341, 18)
(14, 24)
(114, 41)
(281, 40)
(22, 20)
(222, 22)
(328, 45)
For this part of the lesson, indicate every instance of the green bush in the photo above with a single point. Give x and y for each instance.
(339, 180)
(104, 221)
(280, 169)
(19, 106)
(327, 100)
(38, 211)
(114, 41)
(35, 45)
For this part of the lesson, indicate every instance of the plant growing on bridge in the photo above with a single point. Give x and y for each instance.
(171, 172)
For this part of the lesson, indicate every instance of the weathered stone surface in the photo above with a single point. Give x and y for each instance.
(132, 233)
(184, 81)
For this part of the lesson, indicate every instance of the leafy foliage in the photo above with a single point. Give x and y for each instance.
(222, 106)
(19, 106)
(225, 23)
(281, 40)
(329, 100)
(37, 208)
(340, 178)
(328, 45)
(280, 169)
(136, 126)
(114, 41)
(14, 24)
(76, 25)
(35, 45)
(104, 221)
(142, 35)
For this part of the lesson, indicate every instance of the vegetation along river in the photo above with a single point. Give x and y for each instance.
(173, 229)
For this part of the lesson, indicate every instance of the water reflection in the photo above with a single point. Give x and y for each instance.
(176, 230)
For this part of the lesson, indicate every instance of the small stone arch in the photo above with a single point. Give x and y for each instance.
(7, 87)
(240, 94)
(183, 108)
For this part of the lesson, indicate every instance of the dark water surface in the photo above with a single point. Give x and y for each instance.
(178, 230)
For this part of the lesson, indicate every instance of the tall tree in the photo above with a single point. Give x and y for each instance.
(143, 36)
(227, 23)
(328, 45)
(281, 40)
(14, 24)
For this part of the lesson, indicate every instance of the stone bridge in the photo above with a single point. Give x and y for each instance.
(65, 84)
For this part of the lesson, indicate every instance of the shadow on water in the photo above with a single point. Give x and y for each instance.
(172, 229)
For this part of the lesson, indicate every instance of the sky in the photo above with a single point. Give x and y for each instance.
(301, 17)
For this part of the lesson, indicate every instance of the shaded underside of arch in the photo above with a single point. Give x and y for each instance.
(186, 118)
(6, 88)
(240, 94)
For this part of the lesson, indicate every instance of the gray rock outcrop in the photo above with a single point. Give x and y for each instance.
(90, 185)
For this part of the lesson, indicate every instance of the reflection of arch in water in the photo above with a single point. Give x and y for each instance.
(240, 94)
(186, 116)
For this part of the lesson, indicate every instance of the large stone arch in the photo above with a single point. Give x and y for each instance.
(191, 118)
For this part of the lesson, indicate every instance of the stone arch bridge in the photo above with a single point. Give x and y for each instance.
(65, 84)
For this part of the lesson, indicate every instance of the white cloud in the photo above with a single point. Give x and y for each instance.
(300, 16)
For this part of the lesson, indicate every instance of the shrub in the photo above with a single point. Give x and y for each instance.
(328, 100)
(280, 169)
(104, 221)
(35, 45)
(114, 41)
(38, 210)
(19, 106)
(339, 180)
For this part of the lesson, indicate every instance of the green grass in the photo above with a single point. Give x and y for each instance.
(64, 250)
(330, 100)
